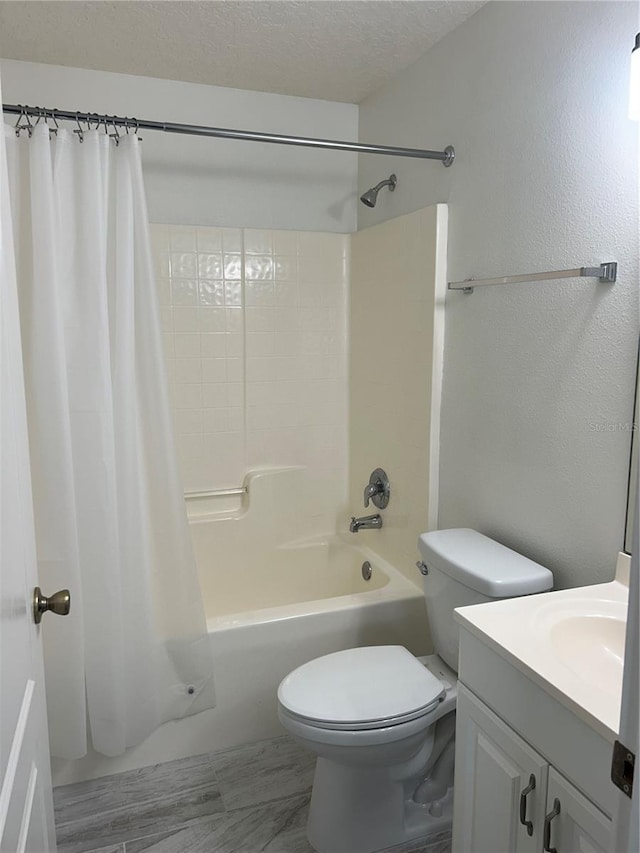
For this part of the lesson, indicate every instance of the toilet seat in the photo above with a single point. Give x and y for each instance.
(360, 689)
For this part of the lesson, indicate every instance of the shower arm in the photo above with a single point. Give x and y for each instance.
(386, 183)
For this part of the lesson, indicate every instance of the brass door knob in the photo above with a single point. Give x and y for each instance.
(59, 602)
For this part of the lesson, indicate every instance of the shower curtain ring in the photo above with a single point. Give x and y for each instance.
(79, 131)
(29, 126)
(116, 133)
(42, 116)
(18, 125)
(23, 122)
(56, 127)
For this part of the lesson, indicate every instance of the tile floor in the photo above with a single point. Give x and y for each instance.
(251, 799)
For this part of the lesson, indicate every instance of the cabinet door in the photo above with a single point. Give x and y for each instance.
(494, 767)
(579, 827)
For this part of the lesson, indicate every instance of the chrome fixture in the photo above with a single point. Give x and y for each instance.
(371, 196)
(378, 489)
(606, 273)
(59, 602)
(367, 571)
(367, 522)
(446, 157)
(422, 568)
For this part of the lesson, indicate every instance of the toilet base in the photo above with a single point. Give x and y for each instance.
(366, 809)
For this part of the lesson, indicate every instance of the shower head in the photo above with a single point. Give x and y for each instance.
(371, 196)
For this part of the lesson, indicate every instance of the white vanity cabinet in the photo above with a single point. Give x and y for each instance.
(494, 772)
(520, 753)
(507, 794)
(579, 827)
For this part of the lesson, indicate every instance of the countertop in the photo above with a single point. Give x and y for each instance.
(537, 635)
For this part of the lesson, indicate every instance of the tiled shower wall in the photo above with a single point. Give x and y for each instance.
(254, 327)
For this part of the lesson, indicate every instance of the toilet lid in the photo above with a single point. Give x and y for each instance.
(360, 686)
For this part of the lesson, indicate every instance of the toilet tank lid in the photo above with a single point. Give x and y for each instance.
(483, 564)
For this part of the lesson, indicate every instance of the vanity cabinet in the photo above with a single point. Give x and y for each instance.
(509, 798)
(580, 827)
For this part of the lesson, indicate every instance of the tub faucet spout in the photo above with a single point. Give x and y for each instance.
(367, 522)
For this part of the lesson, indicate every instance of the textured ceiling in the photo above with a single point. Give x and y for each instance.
(338, 50)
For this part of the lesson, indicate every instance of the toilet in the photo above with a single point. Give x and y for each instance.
(382, 721)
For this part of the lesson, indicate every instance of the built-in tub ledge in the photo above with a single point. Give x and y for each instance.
(570, 642)
(273, 484)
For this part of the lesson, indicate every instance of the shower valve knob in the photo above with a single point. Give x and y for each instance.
(59, 603)
(377, 489)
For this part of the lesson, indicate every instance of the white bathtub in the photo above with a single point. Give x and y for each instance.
(269, 609)
(255, 649)
(300, 579)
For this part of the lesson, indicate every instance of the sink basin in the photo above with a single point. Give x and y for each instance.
(587, 636)
(593, 647)
(571, 640)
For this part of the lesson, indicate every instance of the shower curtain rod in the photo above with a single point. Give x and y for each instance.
(446, 157)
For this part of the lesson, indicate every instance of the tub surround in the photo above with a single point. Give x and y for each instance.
(255, 338)
(396, 338)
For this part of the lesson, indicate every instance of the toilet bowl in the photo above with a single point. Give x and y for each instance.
(374, 737)
(382, 721)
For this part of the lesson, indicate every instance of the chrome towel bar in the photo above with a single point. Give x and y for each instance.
(605, 273)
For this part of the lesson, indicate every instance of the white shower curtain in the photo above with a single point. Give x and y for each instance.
(110, 517)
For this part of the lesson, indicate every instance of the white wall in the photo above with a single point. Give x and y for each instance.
(213, 181)
(533, 96)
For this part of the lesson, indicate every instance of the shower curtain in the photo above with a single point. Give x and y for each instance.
(109, 510)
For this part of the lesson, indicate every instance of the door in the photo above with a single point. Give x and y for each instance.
(26, 809)
(500, 784)
(572, 822)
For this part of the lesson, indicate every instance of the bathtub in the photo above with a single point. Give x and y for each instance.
(270, 607)
(316, 603)
(301, 579)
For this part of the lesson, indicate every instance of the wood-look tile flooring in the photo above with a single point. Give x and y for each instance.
(251, 799)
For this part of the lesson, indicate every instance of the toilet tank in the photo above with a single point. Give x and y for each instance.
(464, 567)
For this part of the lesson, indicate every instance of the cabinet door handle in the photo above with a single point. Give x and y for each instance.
(555, 811)
(523, 804)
